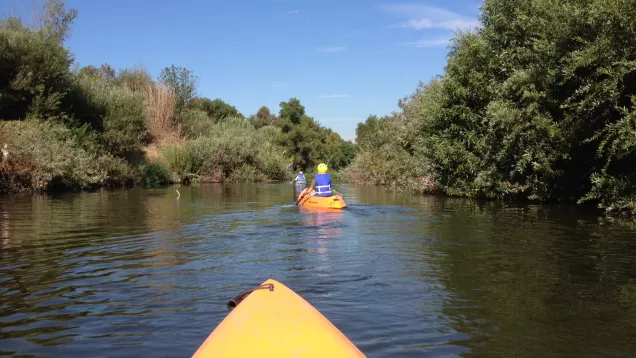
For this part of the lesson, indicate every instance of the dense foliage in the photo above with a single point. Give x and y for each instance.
(70, 127)
(538, 103)
(307, 141)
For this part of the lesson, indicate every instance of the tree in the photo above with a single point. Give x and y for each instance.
(263, 113)
(183, 82)
(262, 118)
(34, 65)
(55, 20)
(89, 70)
(539, 103)
(368, 133)
(107, 71)
(216, 109)
(292, 110)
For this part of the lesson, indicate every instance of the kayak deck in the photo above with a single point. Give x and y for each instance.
(276, 323)
(328, 202)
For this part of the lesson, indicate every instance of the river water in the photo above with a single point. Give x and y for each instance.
(145, 272)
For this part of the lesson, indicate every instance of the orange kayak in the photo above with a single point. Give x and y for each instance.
(274, 321)
(328, 202)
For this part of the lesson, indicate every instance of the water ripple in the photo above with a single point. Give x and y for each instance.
(133, 272)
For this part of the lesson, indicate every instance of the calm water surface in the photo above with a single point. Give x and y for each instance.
(141, 273)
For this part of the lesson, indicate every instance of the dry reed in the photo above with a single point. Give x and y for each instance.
(160, 104)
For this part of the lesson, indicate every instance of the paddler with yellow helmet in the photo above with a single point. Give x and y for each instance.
(321, 183)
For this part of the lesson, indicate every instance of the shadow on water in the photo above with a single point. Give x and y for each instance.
(147, 272)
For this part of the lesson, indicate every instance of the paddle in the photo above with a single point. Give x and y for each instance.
(301, 196)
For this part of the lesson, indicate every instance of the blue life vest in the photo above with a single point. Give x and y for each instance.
(323, 185)
(300, 177)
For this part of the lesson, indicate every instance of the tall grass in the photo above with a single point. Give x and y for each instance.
(160, 103)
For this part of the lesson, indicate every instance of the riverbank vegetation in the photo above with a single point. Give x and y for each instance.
(72, 127)
(538, 103)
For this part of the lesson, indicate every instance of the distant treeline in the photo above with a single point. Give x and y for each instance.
(538, 103)
(67, 127)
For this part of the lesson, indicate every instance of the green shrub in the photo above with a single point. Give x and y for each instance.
(233, 147)
(178, 159)
(125, 126)
(136, 79)
(614, 194)
(388, 154)
(119, 112)
(55, 159)
(272, 162)
(197, 123)
(155, 173)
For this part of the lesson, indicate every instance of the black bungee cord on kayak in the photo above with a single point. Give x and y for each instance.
(241, 296)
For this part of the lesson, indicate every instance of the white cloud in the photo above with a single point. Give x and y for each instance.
(429, 43)
(293, 11)
(421, 17)
(335, 96)
(332, 49)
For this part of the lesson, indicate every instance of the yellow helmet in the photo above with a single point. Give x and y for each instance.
(322, 168)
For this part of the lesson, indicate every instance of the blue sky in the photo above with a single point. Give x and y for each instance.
(343, 59)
